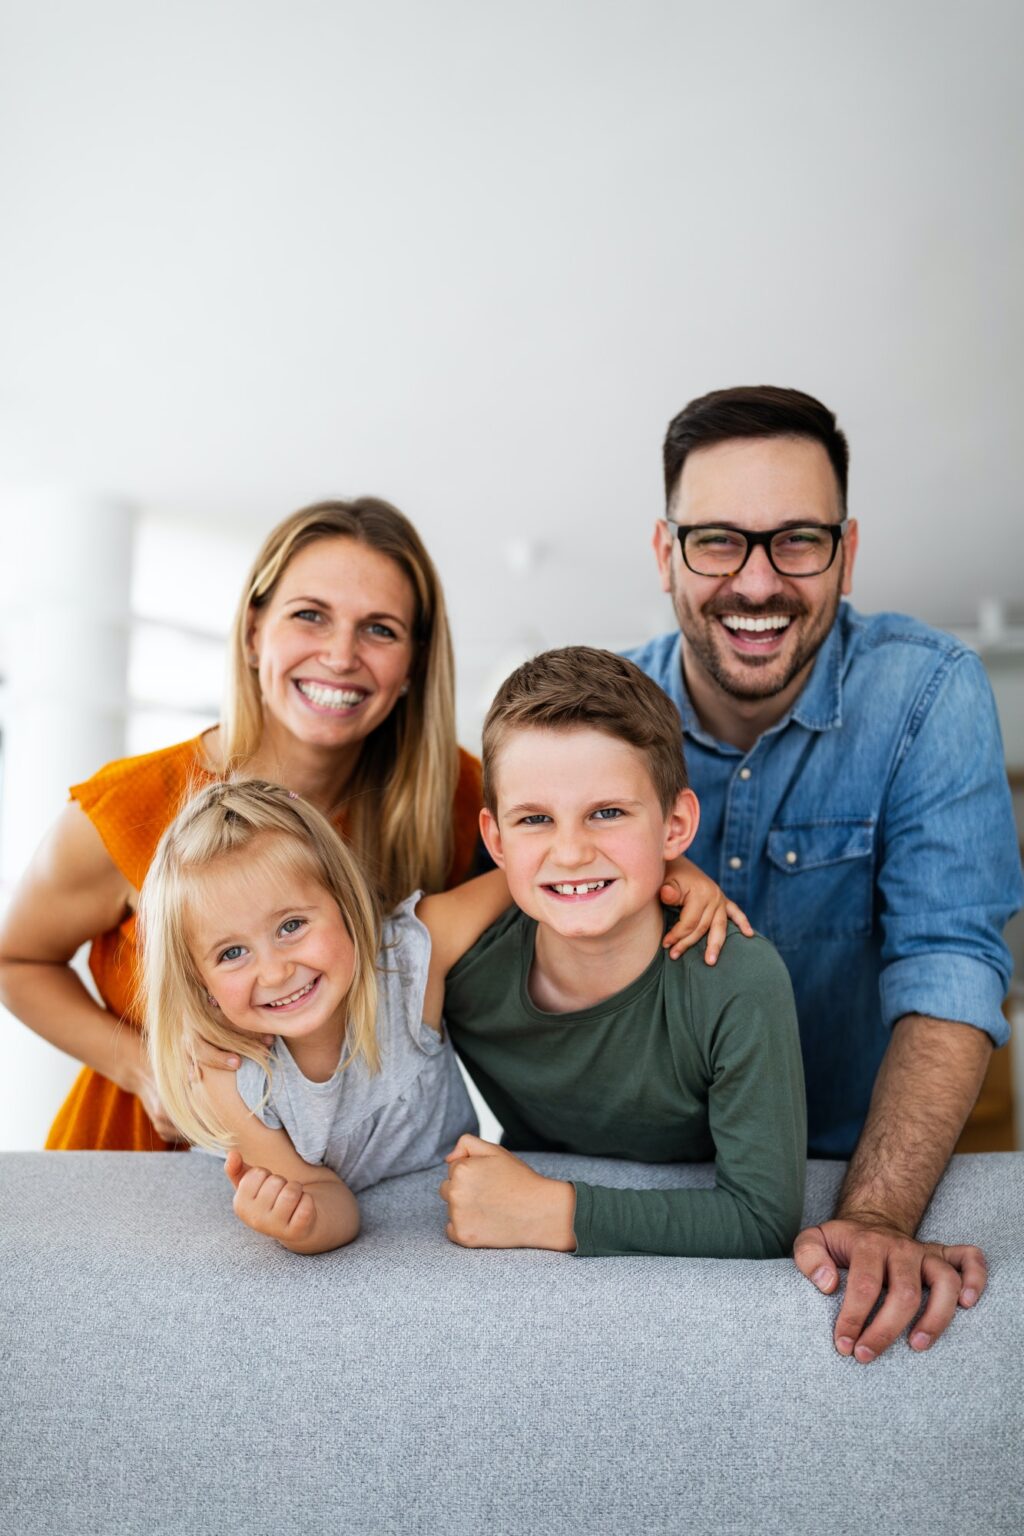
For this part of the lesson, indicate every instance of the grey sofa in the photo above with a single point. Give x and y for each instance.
(166, 1370)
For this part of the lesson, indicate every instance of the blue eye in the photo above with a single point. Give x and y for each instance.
(308, 615)
(292, 925)
(232, 952)
(608, 813)
(381, 631)
(537, 819)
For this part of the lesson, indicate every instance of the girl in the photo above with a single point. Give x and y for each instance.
(257, 921)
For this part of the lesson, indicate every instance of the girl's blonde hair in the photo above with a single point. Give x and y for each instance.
(399, 801)
(280, 831)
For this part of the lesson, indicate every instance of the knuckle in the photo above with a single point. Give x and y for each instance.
(905, 1294)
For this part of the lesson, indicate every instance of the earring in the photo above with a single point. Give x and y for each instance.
(405, 687)
(212, 1000)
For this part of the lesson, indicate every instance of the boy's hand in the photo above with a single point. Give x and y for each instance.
(703, 909)
(279, 1208)
(496, 1201)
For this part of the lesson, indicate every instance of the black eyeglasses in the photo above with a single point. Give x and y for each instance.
(804, 549)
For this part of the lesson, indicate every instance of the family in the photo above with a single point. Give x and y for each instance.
(290, 996)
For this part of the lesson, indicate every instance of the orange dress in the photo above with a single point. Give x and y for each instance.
(130, 803)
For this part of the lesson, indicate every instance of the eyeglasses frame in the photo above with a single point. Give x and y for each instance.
(762, 540)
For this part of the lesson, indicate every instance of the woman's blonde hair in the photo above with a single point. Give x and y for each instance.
(281, 832)
(399, 800)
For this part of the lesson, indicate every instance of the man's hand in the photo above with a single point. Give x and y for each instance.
(279, 1208)
(496, 1201)
(881, 1257)
(703, 909)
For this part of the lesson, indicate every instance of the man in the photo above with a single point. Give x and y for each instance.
(855, 803)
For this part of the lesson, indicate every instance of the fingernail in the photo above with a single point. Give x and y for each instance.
(712, 956)
(968, 1297)
(863, 1354)
(822, 1276)
(233, 1061)
(844, 1346)
(920, 1340)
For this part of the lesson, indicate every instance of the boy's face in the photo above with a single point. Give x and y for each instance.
(579, 829)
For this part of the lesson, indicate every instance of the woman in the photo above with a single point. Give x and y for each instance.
(341, 688)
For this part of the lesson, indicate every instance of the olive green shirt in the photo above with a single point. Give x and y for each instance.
(689, 1063)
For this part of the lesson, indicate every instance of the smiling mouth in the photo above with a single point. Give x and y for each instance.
(577, 890)
(762, 633)
(330, 700)
(284, 1004)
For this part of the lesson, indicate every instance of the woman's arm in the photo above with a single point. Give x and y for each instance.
(72, 891)
(305, 1208)
(455, 920)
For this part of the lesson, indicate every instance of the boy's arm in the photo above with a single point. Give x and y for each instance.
(757, 1119)
(305, 1208)
(455, 920)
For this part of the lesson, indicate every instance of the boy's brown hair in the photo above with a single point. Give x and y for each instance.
(580, 688)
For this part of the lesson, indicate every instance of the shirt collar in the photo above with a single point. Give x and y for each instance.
(818, 706)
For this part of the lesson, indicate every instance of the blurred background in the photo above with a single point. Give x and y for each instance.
(472, 258)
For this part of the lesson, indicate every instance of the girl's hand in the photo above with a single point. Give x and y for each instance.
(277, 1207)
(703, 909)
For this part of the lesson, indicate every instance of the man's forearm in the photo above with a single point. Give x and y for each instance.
(926, 1087)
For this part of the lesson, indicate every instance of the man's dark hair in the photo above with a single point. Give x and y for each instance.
(753, 411)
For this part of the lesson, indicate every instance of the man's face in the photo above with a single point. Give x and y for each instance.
(754, 484)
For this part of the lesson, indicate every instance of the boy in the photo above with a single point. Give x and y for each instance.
(579, 1030)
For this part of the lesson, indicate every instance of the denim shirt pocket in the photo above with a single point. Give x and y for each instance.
(821, 879)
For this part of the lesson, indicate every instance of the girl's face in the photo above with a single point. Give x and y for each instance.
(334, 645)
(272, 950)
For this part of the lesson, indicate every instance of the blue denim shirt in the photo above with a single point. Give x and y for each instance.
(869, 834)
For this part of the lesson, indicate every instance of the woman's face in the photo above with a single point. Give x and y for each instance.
(334, 645)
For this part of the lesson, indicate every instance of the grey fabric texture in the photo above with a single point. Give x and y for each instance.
(372, 1126)
(166, 1370)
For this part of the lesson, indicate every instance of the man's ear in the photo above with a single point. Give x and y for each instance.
(491, 834)
(663, 540)
(851, 540)
(681, 824)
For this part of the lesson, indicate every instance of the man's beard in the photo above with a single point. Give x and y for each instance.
(755, 680)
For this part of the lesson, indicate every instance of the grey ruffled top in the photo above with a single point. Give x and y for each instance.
(364, 1126)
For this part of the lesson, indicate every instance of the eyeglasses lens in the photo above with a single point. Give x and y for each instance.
(795, 551)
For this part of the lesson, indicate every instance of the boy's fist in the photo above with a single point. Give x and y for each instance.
(267, 1203)
(495, 1201)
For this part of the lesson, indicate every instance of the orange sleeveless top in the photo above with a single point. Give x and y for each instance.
(130, 803)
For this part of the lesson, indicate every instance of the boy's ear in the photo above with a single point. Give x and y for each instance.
(491, 835)
(681, 824)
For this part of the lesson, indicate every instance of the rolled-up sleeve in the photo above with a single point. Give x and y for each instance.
(949, 877)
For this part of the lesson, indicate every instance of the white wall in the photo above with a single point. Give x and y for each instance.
(473, 257)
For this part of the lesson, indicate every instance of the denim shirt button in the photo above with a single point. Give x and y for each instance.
(735, 863)
(744, 773)
(791, 857)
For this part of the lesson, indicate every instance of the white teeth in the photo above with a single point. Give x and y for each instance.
(778, 621)
(331, 698)
(580, 890)
(281, 1001)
